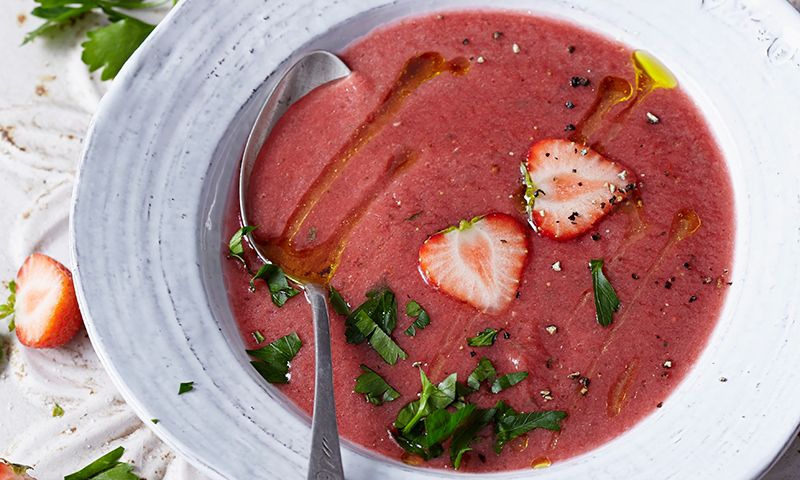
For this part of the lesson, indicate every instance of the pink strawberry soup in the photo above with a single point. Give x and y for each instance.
(434, 127)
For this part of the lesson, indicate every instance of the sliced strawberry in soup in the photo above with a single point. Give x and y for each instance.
(479, 262)
(572, 187)
(46, 308)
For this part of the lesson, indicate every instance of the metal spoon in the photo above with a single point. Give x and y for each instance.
(309, 72)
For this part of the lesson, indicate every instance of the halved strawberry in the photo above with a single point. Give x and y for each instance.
(46, 308)
(13, 471)
(479, 261)
(570, 187)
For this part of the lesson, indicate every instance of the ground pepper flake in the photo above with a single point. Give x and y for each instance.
(569, 105)
(515, 48)
(693, 299)
(569, 128)
(571, 49)
(497, 35)
(551, 329)
(576, 82)
(652, 119)
(667, 364)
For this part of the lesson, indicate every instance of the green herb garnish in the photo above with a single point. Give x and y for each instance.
(107, 467)
(374, 387)
(108, 46)
(483, 339)
(258, 336)
(338, 302)
(58, 411)
(432, 397)
(374, 321)
(235, 247)
(414, 310)
(7, 309)
(273, 360)
(467, 432)
(508, 380)
(155, 421)
(606, 301)
(531, 190)
(510, 424)
(484, 371)
(185, 387)
(279, 287)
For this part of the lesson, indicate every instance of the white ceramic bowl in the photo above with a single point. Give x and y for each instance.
(159, 163)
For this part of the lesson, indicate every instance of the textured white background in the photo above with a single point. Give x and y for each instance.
(46, 100)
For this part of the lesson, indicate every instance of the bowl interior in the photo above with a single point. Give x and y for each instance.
(705, 419)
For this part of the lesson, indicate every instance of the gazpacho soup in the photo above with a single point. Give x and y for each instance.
(526, 230)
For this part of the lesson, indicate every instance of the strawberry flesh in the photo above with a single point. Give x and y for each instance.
(46, 308)
(572, 187)
(479, 262)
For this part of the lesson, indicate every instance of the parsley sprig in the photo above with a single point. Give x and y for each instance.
(375, 389)
(109, 46)
(7, 309)
(484, 338)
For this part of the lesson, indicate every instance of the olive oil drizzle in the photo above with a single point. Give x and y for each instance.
(650, 75)
(318, 263)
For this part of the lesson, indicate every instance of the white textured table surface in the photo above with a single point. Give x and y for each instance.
(46, 100)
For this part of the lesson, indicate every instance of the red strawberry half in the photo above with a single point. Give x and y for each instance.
(12, 471)
(570, 187)
(46, 308)
(479, 261)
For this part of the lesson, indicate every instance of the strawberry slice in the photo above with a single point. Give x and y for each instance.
(479, 261)
(570, 187)
(46, 308)
(13, 471)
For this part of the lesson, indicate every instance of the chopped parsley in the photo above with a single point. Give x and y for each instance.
(272, 361)
(483, 339)
(58, 411)
(606, 301)
(279, 287)
(484, 371)
(467, 432)
(7, 309)
(154, 420)
(258, 336)
(107, 467)
(508, 380)
(374, 387)
(338, 302)
(510, 424)
(374, 321)
(185, 387)
(414, 310)
(235, 247)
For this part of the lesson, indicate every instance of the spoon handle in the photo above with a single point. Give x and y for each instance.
(326, 459)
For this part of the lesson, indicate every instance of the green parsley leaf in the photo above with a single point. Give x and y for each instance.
(58, 411)
(56, 16)
(155, 421)
(440, 424)
(484, 371)
(483, 339)
(338, 302)
(235, 247)
(106, 462)
(508, 380)
(122, 471)
(258, 336)
(510, 424)
(7, 309)
(606, 301)
(273, 360)
(185, 387)
(279, 287)
(431, 398)
(374, 387)
(389, 351)
(374, 320)
(109, 47)
(414, 310)
(467, 433)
